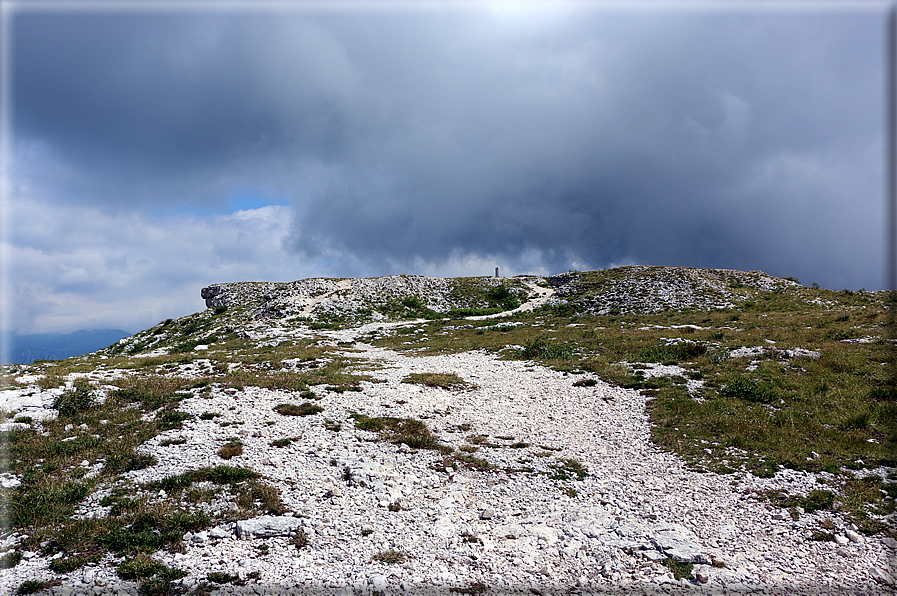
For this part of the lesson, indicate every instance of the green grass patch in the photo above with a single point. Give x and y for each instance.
(232, 448)
(10, 559)
(33, 586)
(567, 468)
(220, 577)
(216, 475)
(680, 570)
(76, 400)
(303, 409)
(409, 431)
(541, 348)
(438, 380)
(140, 567)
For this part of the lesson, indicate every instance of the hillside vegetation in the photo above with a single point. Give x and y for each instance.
(745, 373)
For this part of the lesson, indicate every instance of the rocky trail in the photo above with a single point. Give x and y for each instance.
(527, 525)
(544, 484)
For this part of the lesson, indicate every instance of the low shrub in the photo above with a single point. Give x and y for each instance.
(303, 409)
(232, 448)
(140, 567)
(749, 390)
(413, 433)
(74, 401)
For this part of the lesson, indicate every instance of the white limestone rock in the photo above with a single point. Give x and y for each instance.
(267, 526)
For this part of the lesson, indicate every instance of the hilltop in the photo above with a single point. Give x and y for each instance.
(636, 430)
(333, 303)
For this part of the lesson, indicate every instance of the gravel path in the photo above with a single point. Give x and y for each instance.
(516, 528)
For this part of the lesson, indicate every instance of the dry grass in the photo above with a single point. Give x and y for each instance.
(439, 380)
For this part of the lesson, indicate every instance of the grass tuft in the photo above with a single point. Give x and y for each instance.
(438, 380)
(75, 401)
(10, 559)
(680, 570)
(140, 567)
(390, 557)
(232, 448)
(413, 433)
(303, 409)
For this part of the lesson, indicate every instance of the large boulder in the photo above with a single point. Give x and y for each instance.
(210, 294)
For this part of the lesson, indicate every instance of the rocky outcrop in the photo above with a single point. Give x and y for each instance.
(644, 289)
(210, 294)
(369, 298)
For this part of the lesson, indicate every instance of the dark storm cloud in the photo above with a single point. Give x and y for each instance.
(584, 138)
(724, 141)
(176, 109)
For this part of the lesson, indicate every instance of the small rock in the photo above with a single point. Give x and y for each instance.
(652, 555)
(853, 536)
(379, 582)
(88, 575)
(546, 533)
(882, 576)
(487, 513)
(842, 551)
(674, 542)
(801, 353)
(267, 526)
(444, 527)
(840, 540)
(702, 573)
(219, 532)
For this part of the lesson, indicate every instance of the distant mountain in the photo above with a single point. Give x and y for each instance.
(25, 349)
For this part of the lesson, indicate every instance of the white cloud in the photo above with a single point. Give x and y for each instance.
(76, 266)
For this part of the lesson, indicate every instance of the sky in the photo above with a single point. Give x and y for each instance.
(155, 149)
